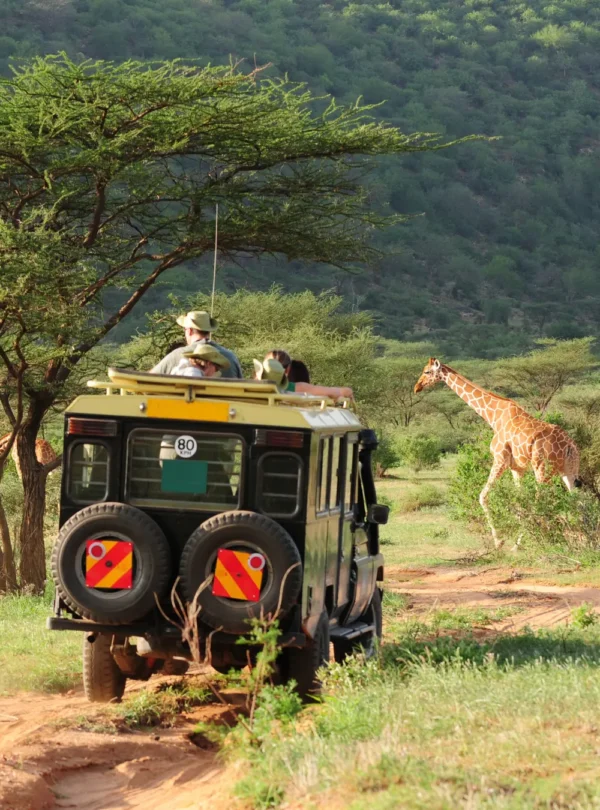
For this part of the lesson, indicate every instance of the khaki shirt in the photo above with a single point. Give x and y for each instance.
(168, 363)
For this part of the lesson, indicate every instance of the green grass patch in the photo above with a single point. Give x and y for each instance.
(31, 657)
(422, 497)
(450, 723)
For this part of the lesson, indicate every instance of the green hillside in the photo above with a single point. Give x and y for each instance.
(509, 232)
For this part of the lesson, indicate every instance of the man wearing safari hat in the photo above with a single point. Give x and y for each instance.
(198, 326)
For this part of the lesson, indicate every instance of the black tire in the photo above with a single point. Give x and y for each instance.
(302, 663)
(152, 563)
(241, 531)
(366, 644)
(103, 681)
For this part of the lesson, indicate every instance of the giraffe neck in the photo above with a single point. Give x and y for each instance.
(489, 406)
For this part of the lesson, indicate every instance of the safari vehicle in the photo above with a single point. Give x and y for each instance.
(250, 501)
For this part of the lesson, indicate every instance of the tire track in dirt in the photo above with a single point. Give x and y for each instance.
(539, 605)
(45, 765)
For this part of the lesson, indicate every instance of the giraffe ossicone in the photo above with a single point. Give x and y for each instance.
(520, 440)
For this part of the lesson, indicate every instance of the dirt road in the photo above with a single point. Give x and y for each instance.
(46, 766)
(539, 605)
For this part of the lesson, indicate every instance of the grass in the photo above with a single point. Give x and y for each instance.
(443, 725)
(31, 657)
(419, 531)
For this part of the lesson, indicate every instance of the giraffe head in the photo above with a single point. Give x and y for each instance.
(430, 376)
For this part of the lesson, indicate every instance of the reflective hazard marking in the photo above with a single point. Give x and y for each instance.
(238, 575)
(109, 564)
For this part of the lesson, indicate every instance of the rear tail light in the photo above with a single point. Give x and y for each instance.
(91, 427)
(280, 438)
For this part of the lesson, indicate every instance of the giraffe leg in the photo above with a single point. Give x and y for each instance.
(500, 464)
(517, 477)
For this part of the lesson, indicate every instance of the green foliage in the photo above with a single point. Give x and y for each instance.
(542, 517)
(584, 616)
(523, 210)
(423, 497)
(475, 709)
(540, 375)
(31, 658)
(419, 452)
(386, 456)
(162, 707)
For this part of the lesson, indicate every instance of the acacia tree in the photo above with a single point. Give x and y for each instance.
(113, 173)
(541, 374)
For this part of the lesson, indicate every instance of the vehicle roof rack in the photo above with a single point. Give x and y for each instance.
(128, 381)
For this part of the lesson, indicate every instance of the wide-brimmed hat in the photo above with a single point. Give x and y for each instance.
(198, 319)
(204, 351)
(269, 369)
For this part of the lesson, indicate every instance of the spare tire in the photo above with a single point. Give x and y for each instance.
(245, 532)
(151, 563)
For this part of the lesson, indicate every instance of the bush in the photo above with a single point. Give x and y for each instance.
(386, 456)
(421, 498)
(420, 452)
(546, 516)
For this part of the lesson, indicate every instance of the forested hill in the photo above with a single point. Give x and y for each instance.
(510, 234)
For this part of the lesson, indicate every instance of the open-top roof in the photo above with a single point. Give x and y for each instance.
(144, 395)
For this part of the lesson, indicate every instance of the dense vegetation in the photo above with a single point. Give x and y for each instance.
(509, 235)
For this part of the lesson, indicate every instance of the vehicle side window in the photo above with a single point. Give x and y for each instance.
(323, 475)
(279, 484)
(336, 489)
(351, 471)
(88, 472)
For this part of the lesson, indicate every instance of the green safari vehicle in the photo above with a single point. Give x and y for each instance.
(245, 499)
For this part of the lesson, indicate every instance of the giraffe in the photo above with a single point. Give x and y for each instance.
(519, 440)
(44, 452)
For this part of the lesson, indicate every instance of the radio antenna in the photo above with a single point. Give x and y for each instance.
(214, 284)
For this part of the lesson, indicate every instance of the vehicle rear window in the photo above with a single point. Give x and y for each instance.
(88, 472)
(279, 484)
(187, 469)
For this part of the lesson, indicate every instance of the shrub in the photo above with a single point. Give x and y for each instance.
(545, 516)
(421, 498)
(420, 452)
(386, 456)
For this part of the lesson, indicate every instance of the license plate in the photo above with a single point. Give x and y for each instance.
(238, 575)
(109, 564)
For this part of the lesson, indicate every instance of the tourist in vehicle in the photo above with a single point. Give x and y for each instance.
(297, 372)
(199, 327)
(207, 359)
(281, 355)
(271, 369)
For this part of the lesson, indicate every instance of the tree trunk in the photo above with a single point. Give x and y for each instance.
(8, 572)
(32, 562)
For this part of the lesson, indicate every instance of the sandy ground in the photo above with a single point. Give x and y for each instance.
(44, 765)
(540, 605)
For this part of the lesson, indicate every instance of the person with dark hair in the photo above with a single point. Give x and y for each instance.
(281, 356)
(297, 372)
(272, 370)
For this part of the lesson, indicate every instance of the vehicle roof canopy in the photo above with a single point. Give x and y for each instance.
(142, 395)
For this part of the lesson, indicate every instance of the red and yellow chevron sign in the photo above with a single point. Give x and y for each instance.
(109, 564)
(238, 575)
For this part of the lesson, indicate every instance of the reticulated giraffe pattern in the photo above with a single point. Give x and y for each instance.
(44, 452)
(520, 440)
